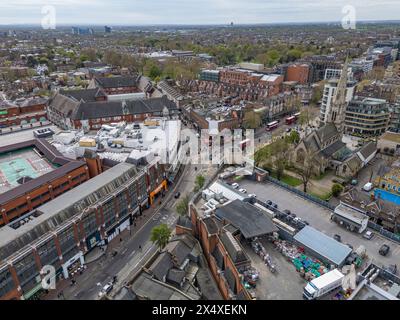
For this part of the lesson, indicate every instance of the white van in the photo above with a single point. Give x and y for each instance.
(368, 186)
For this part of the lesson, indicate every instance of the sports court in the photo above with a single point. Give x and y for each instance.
(21, 165)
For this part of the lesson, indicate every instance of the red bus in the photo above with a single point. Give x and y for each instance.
(297, 115)
(272, 125)
(290, 120)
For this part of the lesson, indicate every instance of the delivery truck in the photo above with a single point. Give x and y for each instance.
(323, 284)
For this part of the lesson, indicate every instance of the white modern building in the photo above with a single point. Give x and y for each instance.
(328, 95)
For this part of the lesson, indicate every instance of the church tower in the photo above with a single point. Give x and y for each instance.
(339, 104)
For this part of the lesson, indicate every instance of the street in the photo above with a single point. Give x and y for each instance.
(129, 258)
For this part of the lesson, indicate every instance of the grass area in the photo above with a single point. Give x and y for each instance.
(291, 181)
(321, 176)
(324, 196)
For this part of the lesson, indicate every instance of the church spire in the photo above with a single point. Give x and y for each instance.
(339, 103)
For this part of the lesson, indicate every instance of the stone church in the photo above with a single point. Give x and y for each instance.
(324, 146)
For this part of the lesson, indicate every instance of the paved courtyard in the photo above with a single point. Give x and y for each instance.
(284, 284)
(319, 218)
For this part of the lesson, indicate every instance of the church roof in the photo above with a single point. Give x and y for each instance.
(326, 132)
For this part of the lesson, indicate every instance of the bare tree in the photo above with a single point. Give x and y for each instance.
(306, 171)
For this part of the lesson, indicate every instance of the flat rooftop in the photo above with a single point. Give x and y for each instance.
(323, 245)
(391, 136)
(350, 213)
(22, 165)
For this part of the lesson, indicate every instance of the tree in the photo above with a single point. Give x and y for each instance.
(183, 206)
(199, 182)
(305, 117)
(252, 120)
(293, 137)
(337, 189)
(307, 169)
(160, 235)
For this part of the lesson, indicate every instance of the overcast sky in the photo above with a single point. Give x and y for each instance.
(149, 12)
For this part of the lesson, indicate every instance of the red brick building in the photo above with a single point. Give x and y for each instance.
(28, 111)
(298, 73)
(31, 192)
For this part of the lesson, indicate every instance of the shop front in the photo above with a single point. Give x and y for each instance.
(73, 264)
(156, 191)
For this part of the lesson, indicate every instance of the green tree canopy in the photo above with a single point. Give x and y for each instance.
(337, 189)
(199, 182)
(183, 206)
(160, 235)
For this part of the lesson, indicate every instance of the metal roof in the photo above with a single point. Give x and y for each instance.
(247, 218)
(323, 245)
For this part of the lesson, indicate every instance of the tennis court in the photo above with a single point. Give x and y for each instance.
(23, 163)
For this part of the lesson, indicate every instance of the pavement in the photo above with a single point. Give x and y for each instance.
(284, 284)
(129, 258)
(319, 218)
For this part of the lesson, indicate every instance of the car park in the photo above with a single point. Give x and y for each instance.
(235, 185)
(384, 250)
(252, 195)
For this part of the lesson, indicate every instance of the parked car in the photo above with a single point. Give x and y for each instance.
(306, 222)
(274, 205)
(252, 195)
(106, 289)
(368, 186)
(243, 190)
(337, 237)
(384, 250)
(350, 246)
(269, 202)
(287, 211)
(177, 195)
(368, 235)
(235, 185)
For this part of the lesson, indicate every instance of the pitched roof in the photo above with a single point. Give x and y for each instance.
(333, 148)
(161, 266)
(104, 109)
(327, 132)
(368, 149)
(117, 82)
(86, 95)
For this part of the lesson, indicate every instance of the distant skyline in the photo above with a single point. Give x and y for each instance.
(194, 12)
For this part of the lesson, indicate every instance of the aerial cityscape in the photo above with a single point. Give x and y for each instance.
(233, 150)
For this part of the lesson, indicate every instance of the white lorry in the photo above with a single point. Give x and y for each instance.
(323, 284)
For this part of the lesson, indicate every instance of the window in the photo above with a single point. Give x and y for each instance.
(26, 270)
(6, 282)
(89, 223)
(67, 240)
(48, 253)
(109, 213)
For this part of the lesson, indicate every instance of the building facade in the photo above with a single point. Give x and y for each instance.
(63, 230)
(367, 117)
